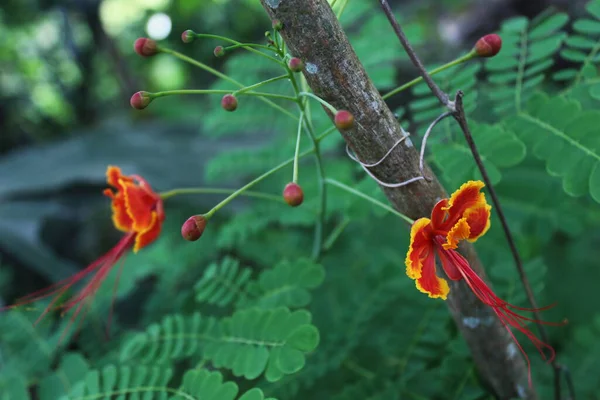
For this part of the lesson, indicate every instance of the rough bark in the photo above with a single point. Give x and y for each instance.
(334, 73)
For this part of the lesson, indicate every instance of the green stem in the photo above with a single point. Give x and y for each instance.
(247, 186)
(295, 173)
(444, 67)
(248, 47)
(318, 240)
(259, 84)
(336, 233)
(181, 191)
(219, 91)
(320, 100)
(327, 132)
(368, 198)
(225, 78)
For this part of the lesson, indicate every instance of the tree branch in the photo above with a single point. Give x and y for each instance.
(335, 74)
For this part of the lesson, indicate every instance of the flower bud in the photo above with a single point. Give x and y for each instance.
(193, 227)
(219, 51)
(229, 102)
(188, 36)
(140, 100)
(343, 120)
(292, 194)
(145, 47)
(488, 46)
(277, 25)
(295, 64)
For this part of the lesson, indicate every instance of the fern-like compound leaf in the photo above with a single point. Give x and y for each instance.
(248, 343)
(222, 283)
(527, 53)
(566, 138)
(209, 385)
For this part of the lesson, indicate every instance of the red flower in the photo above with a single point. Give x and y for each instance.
(137, 211)
(466, 215)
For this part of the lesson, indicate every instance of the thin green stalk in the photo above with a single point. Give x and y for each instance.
(248, 47)
(298, 136)
(219, 91)
(247, 186)
(336, 233)
(182, 191)
(368, 198)
(259, 84)
(224, 77)
(320, 100)
(437, 70)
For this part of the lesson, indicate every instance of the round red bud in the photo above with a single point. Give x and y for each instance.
(188, 36)
(140, 100)
(145, 47)
(293, 194)
(193, 227)
(219, 51)
(488, 45)
(343, 120)
(229, 102)
(277, 25)
(295, 64)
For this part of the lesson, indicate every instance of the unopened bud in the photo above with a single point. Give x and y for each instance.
(188, 36)
(343, 120)
(145, 47)
(140, 100)
(193, 227)
(219, 51)
(488, 46)
(295, 64)
(229, 102)
(293, 194)
(277, 25)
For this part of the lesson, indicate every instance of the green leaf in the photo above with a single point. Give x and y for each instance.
(564, 137)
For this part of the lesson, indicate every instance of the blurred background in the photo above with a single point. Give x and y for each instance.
(67, 72)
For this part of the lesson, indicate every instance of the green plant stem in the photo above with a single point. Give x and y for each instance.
(218, 91)
(320, 100)
(259, 84)
(437, 70)
(183, 191)
(336, 233)
(319, 226)
(298, 136)
(225, 78)
(270, 172)
(368, 198)
(247, 46)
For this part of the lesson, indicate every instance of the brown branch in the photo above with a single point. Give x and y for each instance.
(334, 73)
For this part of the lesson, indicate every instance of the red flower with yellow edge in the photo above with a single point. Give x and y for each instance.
(136, 210)
(464, 216)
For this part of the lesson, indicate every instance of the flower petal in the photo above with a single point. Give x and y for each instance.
(148, 235)
(429, 282)
(121, 220)
(114, 177)
(420, 246)
(459, 231)
(439, 214)
(140, 205)
(478, 218)
(467, 196)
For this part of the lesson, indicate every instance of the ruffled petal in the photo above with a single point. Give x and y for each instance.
(114, 177)
(148, 235)
(467, 196)
(121, 220)
(429, 282)
(419, 248)
(439, 214)
(459, 231)
(478, 219)
(140, 206)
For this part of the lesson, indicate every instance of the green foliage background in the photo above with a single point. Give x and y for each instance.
(243, 313)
